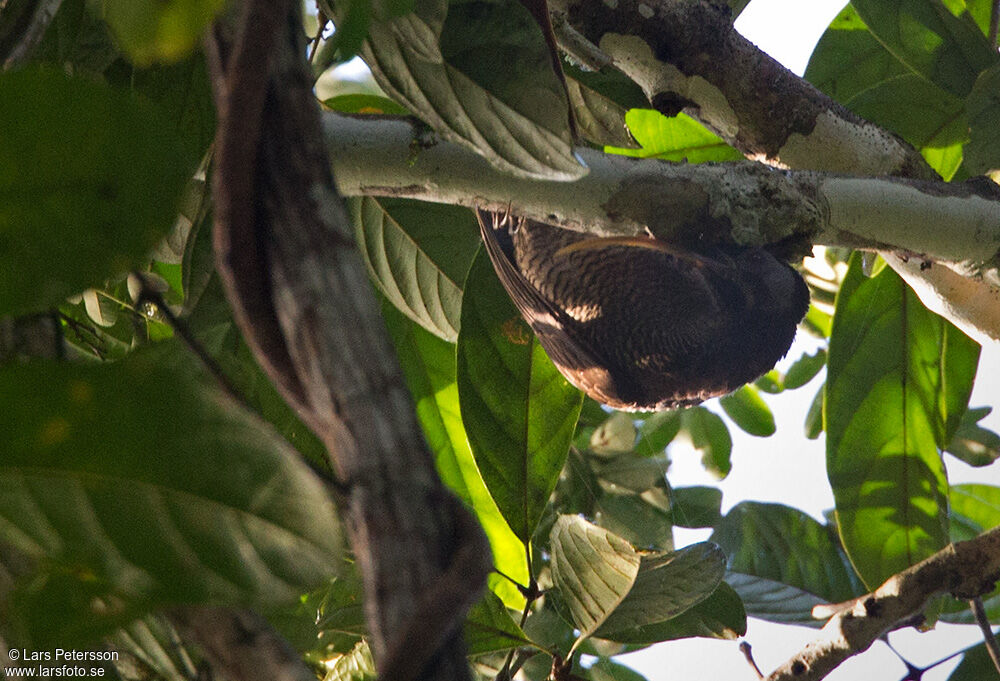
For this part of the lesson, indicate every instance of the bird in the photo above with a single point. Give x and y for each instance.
(641, 324)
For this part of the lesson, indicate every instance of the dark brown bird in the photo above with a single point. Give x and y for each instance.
(639, 324)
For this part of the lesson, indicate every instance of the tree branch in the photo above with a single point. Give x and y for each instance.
(687, 56)
(966, 569)
(287, 256)
(736, 202)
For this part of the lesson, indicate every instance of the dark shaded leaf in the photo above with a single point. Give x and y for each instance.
(813, 425)
(695, 506)
(418, 255)
(599, 119)
(489, 627)
(519, 411)
(629, 516)
(773, 601)
(658, 431)
(666, 585)
(721, 615)
(480, 73)
(788, 547)
(120, 504)
(915, 109)
(70, 221)
(976, 665)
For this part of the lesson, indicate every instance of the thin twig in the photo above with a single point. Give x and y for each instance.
(748, 654)
(992, 647)
(31, 35)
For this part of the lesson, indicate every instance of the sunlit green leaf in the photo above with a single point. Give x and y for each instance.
(709, 435)
(120, 504)
(680, 138)
(915, 109)
(357, 665)
(848, 59)
(813, 425)
(429, 366)
(947, 50)
(982, 153)
(519, 411)
(898, 382)
(364, 104)
(805, 369)
(71, 220)
(747, 410)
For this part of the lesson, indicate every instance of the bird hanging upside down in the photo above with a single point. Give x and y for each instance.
(639, 324)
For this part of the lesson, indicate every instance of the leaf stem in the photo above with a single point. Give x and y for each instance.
(992, 647)
(994, 24)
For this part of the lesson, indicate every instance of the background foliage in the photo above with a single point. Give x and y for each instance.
(128, 484)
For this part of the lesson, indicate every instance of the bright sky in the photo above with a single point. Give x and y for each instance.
(789, 469)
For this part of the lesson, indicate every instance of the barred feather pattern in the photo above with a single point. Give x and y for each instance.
(639, 324)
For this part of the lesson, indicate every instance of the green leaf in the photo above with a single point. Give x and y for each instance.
(519, 411)
(848, 59)
(599, 119)
(773, 601)
(365, 104)
(154, 643)
(614, 437)
(632, 518)
(157, 30)
(133, 484)
(749, 411)
(972, 443)
(480, 73)
(212, 323)
(418, 255)
(607, 670)
(658, 431)
(915, 109)
(357, 665)
(429, 367)
(593, 570)
(976, 665)
(666, 585)
(946, 49)
(898, 381)
(489, 627)
(633, 472)
(772, 382)
(695, 506)
(975, 507)
(805, 369)
(813, 425)
(982, 153)
(680, 138)
(709, 435)
(721, 615)
(71, 220)
(785, 546)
